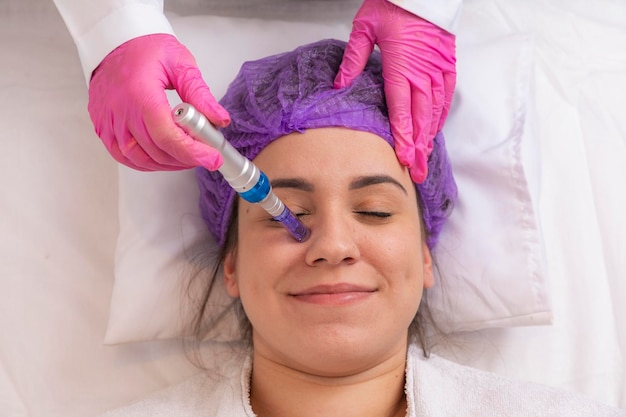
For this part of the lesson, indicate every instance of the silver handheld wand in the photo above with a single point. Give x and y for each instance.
(242, 175)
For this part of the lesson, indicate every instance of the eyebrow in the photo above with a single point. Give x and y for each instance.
(360, 182)
(369, 180)
(296, 183)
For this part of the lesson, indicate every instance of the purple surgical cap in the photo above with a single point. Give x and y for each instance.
(293, 91)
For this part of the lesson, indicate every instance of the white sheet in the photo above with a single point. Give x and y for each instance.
(58, 225)
(59, 222)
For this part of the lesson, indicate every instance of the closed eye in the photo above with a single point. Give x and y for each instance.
(306, 213)
(378, 214)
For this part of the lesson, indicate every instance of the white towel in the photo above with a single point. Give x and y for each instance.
(435, 387)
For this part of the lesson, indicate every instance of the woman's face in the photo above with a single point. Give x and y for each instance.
(344, 299)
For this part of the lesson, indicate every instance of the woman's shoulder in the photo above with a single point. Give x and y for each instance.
(213, 392)
(444, 388)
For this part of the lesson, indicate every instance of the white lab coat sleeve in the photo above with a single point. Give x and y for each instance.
(443, 13)
(99, 26)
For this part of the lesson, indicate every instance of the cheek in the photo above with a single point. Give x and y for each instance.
(401, 250)
(401, 263)
(268, 259)
(409, 285)
(260, 280)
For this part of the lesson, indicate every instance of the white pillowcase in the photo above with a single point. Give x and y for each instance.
(490, 252)
(490, 255)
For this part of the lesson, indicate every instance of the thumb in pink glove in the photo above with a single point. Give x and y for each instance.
(131, 113)
(419, 69)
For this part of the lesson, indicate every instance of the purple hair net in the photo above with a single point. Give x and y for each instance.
(292, 92)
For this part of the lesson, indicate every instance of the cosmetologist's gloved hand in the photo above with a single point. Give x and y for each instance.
(419, 69)
(131, 113)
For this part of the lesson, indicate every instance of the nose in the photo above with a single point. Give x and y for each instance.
(333, 241)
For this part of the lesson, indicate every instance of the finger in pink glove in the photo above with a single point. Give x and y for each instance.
(131, 113)
(419, 69)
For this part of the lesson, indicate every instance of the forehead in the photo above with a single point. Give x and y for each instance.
(331, 152)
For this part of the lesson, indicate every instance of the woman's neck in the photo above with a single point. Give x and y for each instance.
(280, 391)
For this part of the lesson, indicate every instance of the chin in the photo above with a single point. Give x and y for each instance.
(339, 355)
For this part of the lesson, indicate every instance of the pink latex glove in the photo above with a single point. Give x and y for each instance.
(419, 69)
(131, 113)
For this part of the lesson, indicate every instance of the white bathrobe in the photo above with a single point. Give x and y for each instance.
(434, 387)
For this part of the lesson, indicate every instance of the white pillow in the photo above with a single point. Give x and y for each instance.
(490, 252)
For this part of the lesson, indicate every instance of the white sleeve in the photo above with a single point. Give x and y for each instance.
(443, 13)
(99, 26)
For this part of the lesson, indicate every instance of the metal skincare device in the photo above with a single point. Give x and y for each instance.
(242, 175)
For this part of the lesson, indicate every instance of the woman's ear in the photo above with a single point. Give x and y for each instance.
(230, 274)
(429, 279)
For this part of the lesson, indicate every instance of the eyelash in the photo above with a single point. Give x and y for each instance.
(372, 214)
(295, 214)
(377, 214)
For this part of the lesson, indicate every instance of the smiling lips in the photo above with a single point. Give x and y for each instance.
(337, 294)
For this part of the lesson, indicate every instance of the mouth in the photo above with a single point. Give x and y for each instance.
(337, 294)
